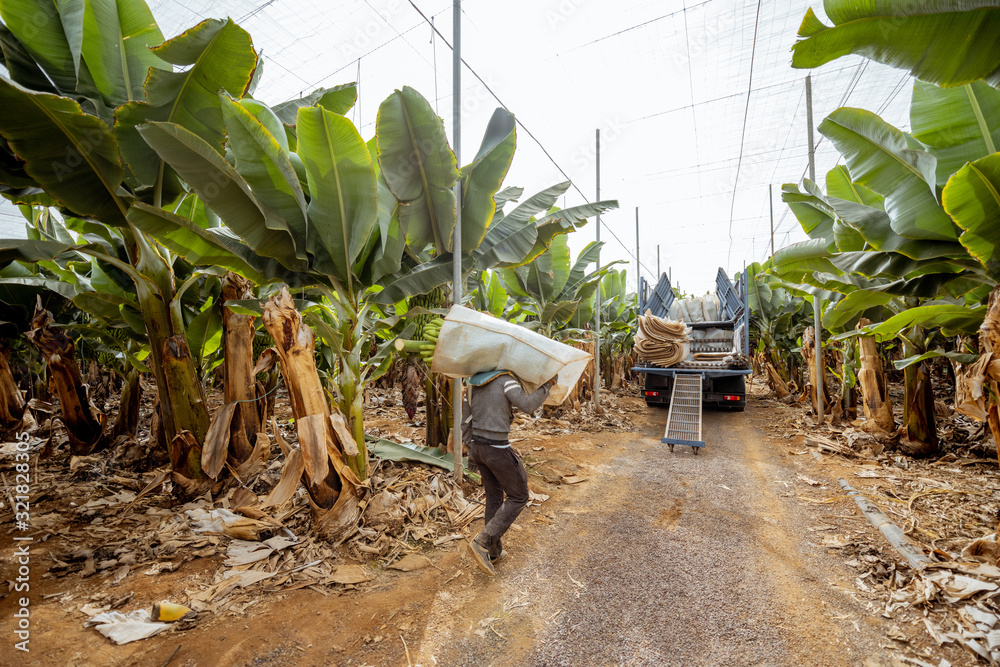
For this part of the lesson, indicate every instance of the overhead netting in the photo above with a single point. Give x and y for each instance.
(661, 341)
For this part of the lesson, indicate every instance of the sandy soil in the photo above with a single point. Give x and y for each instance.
(658, 558)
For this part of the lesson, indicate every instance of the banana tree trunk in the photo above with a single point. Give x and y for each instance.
(240, 383)
(918, 414)
(182, 405)
(12, 405)
(84, 422)
(334, 489)
(874, 389)
(127, 422)
(989, 345)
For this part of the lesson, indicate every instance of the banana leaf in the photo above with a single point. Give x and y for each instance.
(39, 29)
(70, 154)
(338, 99)
(953, 320)
(875, 226)
(214, 55)
(482, 177)
(957, 357)
(265, 166)
(221, 187)
(114, 38)
(201, 247)
(407, 451)
(879, 158)
(344, 208)
(419, 167)
(947, 43)
(957, 125)
(972, 199)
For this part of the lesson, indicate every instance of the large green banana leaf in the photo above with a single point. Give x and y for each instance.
(266, 168)
(21, 66)
(386, 253)
(972, 198)
(510, 239)
(840, 186)
(948, 43)
(338, 99)
(875, 227)
(419, 279)
(39, 29)
(952, 319)
(845, 313)
(957, 125)
(215, 55)
(482, 177)
(72, 155)
(114, 37)
(811, 210)
(419, 167)
(812, 256)
(878, 157)
(590, 254)
(344, 207)
(495, 295)
(221, 187)
(565, 220)
(200, 247)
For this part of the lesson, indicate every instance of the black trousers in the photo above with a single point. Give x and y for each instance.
(503, 473)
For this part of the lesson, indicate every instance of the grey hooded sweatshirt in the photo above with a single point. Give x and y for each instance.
(492, 406)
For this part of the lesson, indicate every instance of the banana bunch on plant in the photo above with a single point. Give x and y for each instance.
(424, 346)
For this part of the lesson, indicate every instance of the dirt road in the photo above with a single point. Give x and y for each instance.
(667, 559)
(658, 558)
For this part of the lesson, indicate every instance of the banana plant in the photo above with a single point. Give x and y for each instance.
(551, 290)
(75, 94)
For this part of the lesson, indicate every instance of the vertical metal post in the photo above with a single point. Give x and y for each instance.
(638, 273)
(456, 276)
(809, 126)
(820, 364)
(770, 201)
(597, 314)
(657, 262)
(817, 306)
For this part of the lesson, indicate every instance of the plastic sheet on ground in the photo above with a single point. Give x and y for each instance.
(471, 342)
(124, 628)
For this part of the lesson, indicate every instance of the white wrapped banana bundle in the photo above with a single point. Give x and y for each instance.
(661, 341)
(472, 342)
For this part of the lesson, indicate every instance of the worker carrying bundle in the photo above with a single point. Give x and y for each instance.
(662, 342)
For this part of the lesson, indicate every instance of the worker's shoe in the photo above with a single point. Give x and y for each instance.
(481, 555)
(497, 559)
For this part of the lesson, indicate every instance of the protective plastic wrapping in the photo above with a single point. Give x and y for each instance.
(471, 342)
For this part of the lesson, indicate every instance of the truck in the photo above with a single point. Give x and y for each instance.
(686, 387)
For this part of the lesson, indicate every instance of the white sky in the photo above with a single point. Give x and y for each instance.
(666, 81)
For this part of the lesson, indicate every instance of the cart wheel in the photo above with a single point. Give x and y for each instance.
(671, 447)
(695, 450)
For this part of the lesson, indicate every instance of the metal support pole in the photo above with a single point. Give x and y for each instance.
(657, 262)
(637, 271)
(820, 364)
(597, 314)
(456, 276)
(770, 201)
(809, 126)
